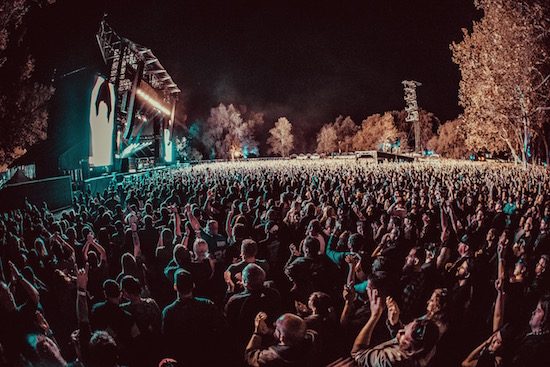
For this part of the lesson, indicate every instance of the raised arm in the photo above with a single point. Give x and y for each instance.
(65, 244)
(349, 307)
(452, 216)
(349, 292)
(364, 338)
(393, 323)
(33, 294)
(473, 357)
(177, 221)
(498, 316)
(135, 240)
(501, 262)
(193, 221)
(91, 241)
(84, 333)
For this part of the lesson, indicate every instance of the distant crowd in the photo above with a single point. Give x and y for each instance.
(284, 263)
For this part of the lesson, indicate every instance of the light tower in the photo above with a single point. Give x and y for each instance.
(409, 87)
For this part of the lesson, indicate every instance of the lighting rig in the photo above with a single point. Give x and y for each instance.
(145, 100)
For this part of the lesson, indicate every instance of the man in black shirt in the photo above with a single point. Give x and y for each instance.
(109, 316)
(192, 328)
(243, 307)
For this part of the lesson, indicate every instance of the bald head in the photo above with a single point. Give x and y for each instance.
(253, 276)
(291, 329)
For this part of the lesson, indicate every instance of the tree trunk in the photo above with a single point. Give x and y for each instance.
(512, 150)
(545, 149)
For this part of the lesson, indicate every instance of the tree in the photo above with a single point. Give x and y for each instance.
(505, 71)
(281, 140)
(23, 101)
(326, 139)
(450, 140)
(229, 133)
(376, 132)
(345, 132)
(427, 122)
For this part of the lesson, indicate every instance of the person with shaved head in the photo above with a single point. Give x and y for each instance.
(295, 344)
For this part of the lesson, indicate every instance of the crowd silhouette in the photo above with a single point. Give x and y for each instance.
(284, 263)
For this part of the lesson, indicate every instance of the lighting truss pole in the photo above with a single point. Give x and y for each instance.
(409, 87)
(525, 119)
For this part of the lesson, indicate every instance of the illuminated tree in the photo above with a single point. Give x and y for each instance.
(450, 140)
(345, 133)
(427, 121)
(376, 132)
(327, 139)
(281, 140)
(229, 133)
(23, 102)
(504, 66)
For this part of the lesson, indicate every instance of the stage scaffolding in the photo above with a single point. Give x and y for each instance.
(146, 95)
(409, 87)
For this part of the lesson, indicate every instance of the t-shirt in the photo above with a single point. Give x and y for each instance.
(193, 331)
(387, 354)
(110, 317)
(217, 245)
(146, 314)
(237, 268)
(242, 308)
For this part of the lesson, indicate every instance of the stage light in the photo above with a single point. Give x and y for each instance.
(153, 102)
(134, 148)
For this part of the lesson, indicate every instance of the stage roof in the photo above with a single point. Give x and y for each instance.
(154, 73)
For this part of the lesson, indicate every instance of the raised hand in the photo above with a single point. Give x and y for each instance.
(90, 238)
(82, 276)
(376, 306)
(15, 274)
(192, 219)
(393, 310)
(260, 325)
(228, 281)
(42, 322)
(499, 285)
(349, 293)
(352, 259)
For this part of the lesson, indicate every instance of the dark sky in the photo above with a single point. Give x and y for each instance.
(307, 60)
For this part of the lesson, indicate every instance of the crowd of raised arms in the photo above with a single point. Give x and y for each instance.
(284, 263)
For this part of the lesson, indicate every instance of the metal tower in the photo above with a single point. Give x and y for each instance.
(409, 87)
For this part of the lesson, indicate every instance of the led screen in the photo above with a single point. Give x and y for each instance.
(102, 123)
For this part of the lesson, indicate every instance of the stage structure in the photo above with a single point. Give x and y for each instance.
(412, 110)
(145, 101)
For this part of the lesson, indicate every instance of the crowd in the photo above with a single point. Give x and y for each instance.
(285, 263)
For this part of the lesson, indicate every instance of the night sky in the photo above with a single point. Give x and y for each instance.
(307, 60)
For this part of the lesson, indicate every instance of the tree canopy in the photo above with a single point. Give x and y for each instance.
(505, 71)
(281, 139)
(23, 101)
